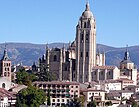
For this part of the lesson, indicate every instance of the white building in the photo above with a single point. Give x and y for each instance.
(93, 94)
(7, 99)
(119, 95)
(109, 85)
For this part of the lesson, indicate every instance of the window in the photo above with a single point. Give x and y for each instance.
(5, 74)
(3, 85)
(87, 37)
(86, 54)
(81, 54)
(66, 68)
(76, 86)
(109, 73)
(84, 24)
(53, 100)
(55, 58)
(62, 100)
(58, 100)
(82, 36)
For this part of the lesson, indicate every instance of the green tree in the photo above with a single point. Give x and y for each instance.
(45, 74)
(109, 103)
(30, 97)
(75, 102)
(23, 77)
(48, 98)
(92, 103)
(134, 104)
(82, 100)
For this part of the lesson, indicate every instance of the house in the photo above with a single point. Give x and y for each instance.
(93, 94)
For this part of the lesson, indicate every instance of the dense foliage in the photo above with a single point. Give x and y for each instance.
(45, 75)
(75, 102)
(92, 104)
(23, 77)
(30, 97)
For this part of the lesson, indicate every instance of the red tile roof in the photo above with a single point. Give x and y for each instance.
(56, 83)
(5, 93)
(104, 67)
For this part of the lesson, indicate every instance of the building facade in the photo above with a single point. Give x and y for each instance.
(61, 92)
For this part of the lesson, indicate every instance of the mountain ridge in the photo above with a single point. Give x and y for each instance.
(27, 53)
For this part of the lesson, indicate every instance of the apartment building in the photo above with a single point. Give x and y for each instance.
(60, 92)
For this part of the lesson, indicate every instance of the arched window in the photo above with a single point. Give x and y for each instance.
(55, 58)
(3, 85)
(87, 36)
(5, 74)
(84, 24)
(8, 74)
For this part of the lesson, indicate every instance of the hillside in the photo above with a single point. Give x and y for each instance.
(27, 53)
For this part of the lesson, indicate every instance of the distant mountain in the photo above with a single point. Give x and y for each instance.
(27, 53)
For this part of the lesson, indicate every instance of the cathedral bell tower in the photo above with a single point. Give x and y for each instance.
(5, 66)
(85, 45)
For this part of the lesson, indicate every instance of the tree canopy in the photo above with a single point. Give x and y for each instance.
(23, 77)
(45, 75)
(30, 97)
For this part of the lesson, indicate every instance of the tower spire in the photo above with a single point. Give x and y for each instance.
(5, 56)
(87, 6)
(126, 53)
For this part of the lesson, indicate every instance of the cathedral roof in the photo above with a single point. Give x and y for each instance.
(87, 13)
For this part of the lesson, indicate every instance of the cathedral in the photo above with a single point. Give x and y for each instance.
(75, 63)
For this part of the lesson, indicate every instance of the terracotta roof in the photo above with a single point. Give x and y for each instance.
(132, 86)
(92, 89)
(125, 79)
(56, 83)
(5, 93)
(109, 81)
(104, 67)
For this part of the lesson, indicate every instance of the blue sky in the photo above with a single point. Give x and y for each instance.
(48, 21)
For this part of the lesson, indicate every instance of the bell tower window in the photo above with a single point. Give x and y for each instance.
(81, 54)
(84, 24)
(86, 54)
(3, 85)
(87, 37)
(55, 58)
(82, 37)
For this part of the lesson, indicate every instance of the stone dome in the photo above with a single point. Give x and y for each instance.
(87, 13)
